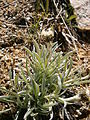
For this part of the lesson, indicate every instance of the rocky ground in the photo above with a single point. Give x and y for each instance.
(16, 17)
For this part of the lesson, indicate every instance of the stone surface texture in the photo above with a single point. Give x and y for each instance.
(82, 10)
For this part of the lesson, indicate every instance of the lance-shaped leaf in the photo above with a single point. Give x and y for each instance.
(35, 88)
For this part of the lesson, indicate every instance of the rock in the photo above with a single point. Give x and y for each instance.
(47, 33)
(1, 55)
(82, 9)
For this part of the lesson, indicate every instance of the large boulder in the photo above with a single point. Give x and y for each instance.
(82, 10)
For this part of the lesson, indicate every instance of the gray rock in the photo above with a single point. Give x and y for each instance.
(82, 10)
